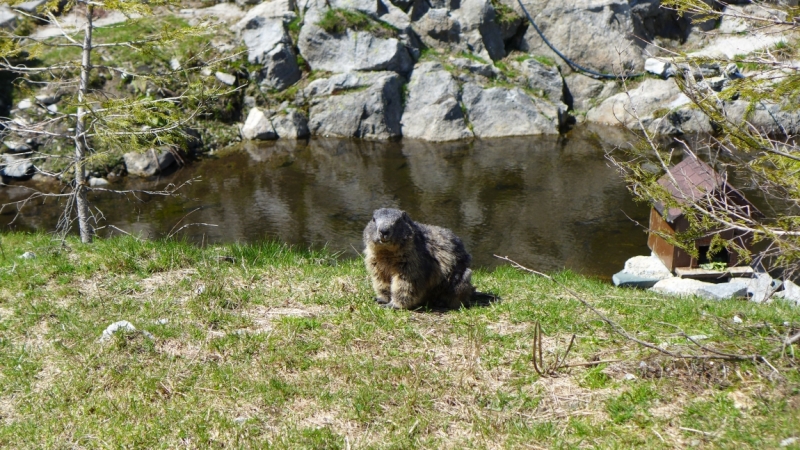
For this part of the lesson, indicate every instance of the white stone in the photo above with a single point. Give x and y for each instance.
(647, 267)
(98, 182)
(226, 78)
(258, 126)
(663, 69)
(25, 104)
(790, 292)
(682, 287)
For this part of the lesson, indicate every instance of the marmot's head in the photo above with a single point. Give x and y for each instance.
(389, 226)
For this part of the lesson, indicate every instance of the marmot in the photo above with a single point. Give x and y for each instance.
(412, 264)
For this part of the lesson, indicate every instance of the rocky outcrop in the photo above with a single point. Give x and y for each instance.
(544, 79)
(500, 111)
(649, 97)
(268, 125)
(432, 109)
(370, 112)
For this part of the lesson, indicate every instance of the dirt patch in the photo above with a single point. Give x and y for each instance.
(172, 278)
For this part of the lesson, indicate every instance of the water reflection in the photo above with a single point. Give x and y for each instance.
(549, 203)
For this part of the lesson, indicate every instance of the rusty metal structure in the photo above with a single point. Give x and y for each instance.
(689, 181)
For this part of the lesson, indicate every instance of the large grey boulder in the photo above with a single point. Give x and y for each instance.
(432, 110)
(352, 50)
(149, 163)
(268, 44)
(594, 33)
(544, 79)
(468, 25)
(649, 97)
(686, 119)
(370, 113)
(499, 112)
(342, 82)
(16, 166)
(641, 272)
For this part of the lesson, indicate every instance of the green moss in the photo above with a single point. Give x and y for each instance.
(337, 21)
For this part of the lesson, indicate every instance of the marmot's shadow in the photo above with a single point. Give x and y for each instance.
(478, 300)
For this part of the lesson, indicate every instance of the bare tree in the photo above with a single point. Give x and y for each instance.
(101, 122)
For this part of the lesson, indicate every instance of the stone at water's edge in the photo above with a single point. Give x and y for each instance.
(148, 163)
(625, 279)
(499, 112)
(16, 166)
(432, 111)
(292, 125)
(647, 267)
(258, 126)
(371, 113)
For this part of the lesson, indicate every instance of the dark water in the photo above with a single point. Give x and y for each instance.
(548, 203)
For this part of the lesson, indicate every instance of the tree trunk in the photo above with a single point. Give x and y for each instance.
(81, 202)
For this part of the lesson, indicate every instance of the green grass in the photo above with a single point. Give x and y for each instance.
(263, 345)
(337, 20)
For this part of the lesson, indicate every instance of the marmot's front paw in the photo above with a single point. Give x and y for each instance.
(380, 301)
(389, 305)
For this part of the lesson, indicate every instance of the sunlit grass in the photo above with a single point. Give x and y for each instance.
(267, 345)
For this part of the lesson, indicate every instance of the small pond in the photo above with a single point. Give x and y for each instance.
(547, 202)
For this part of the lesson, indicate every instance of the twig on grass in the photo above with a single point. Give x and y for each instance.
(622, 332)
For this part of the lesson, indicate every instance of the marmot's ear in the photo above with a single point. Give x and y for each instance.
(405, 216)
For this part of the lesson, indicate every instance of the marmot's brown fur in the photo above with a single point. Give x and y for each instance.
(412, 264)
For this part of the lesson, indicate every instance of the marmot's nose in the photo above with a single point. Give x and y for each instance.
(384, 234)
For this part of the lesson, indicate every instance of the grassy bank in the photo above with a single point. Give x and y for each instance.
(264, 344)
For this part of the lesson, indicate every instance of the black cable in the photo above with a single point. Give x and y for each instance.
(572, 63)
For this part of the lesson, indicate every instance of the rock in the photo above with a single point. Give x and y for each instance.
(175, 64)
(597, 34)
(52, 109)
(148, 163)
(790, 293)
(258, 126)
(225, 12)
(647, 266)
(586, 92)
(274, 9)
(15, 146)
(280, 68)
(17, 166)
(546, 79)
(468, 26)
(269, 44)
(8, 19)
(432, 111)
(499, 111)
(627, 280)
(226, 78)
(761, 287)
(28, 255)
(478, 68)
(687, 119)
(98, 182)
(342, 82)
(291, 125)
(30, 7)
(683, 287)
(649, 97)
(352, 50)
(723, 291)
(24, 104)
(767, 117)
(48, 99)
(663, 69)
(371, 113)
(124, 326)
